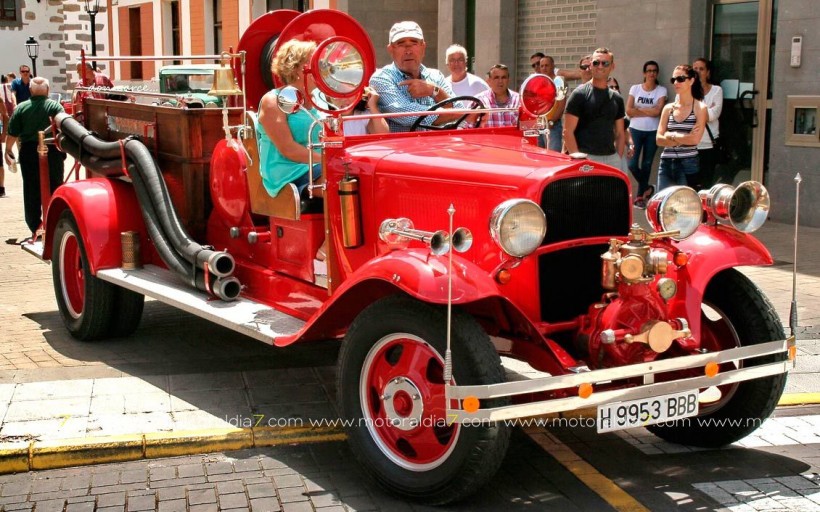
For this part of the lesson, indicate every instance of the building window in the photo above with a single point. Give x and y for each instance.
(176, 42)
(9, 11)
(296, 5)
(135, 41)
(217, 8)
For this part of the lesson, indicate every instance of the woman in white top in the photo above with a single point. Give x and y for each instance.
(643, 107)
(713, 98)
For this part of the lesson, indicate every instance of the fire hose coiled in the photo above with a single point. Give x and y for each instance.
(203, 267)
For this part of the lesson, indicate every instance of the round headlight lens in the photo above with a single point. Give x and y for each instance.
(518, 226)
(675, 209)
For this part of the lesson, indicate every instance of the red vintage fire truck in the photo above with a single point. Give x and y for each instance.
(473, 278)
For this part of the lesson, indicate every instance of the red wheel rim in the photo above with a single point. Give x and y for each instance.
(72, 279)
(717, 333)
(402, 399)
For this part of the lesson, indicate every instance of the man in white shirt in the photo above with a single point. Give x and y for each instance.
(464, 83)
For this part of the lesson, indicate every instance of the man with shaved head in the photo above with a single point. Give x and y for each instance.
(29, 118)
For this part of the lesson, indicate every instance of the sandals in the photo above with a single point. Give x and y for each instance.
(648, 193)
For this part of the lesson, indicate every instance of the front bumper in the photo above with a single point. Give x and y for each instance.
(646, 371)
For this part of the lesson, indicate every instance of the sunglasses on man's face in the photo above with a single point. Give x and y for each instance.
(679, 79)
(25, 71)
(584, 67)
(604, 63)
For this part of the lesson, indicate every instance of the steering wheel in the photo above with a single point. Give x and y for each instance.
(476, 103)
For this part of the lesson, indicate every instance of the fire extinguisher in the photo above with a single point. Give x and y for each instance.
(351, 209)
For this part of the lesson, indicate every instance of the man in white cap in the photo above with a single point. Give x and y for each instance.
(407, 85)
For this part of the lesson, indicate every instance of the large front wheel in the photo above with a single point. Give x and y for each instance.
(735, 313)
(391, 394)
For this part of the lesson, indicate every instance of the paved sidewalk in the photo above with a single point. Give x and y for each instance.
(179, 374)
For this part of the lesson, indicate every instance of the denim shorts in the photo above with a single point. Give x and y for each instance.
(302, 181)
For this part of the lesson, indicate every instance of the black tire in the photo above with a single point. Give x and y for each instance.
(745, 312)
(127, 312)
(85, 302)
(471, 454)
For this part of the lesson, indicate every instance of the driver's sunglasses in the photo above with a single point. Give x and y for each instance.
(604, 63)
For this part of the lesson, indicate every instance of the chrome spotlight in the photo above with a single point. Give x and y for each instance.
(675, 208)
(744, 207)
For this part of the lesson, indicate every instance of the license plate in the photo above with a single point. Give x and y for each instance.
(647, 411)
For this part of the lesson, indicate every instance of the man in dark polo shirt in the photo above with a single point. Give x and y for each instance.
(594, 118)
(30, 117)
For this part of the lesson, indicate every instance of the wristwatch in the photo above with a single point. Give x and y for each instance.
(436, 90)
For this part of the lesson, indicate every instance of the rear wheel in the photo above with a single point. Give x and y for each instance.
(90, 307)
(391, 390)
(735, 313)
(127, 309)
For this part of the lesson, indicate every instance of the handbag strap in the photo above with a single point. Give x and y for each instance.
(711, 137)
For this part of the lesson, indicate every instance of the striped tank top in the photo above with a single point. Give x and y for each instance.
(685, 126)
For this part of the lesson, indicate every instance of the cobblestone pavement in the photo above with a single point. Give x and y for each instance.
(778, 474)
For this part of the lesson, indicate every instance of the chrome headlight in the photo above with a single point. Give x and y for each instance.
(518, 226)
(745, 208)
(675, 209)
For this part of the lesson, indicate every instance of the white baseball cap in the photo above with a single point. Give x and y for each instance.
(404, 29)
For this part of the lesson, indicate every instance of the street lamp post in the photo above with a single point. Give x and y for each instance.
(92, 7)
(33, 49)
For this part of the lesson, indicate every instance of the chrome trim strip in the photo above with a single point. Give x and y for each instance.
(636, 370)
(616, 395)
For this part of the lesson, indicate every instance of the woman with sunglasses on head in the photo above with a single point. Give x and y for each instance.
(680, 129)
(644, 105)
(713, 99)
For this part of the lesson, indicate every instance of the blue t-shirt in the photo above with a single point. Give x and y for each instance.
(276, 170)
(21, 90)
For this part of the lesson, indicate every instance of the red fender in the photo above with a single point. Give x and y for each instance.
(103, 208)
(710, 250)
(423, 276)
(412, 271)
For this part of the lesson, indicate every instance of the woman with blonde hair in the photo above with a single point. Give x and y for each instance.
(283, 138)
(680, 129)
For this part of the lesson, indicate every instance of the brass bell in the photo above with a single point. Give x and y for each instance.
(224, 82)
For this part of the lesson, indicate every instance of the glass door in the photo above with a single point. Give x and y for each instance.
(741, 42)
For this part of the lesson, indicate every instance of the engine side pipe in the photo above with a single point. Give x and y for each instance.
(220, 263)
(226, 288)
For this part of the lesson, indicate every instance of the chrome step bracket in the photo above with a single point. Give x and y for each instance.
(245, 316)
(34, 248)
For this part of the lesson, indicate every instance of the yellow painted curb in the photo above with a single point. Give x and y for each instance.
(274, 436)
(63, 453)
(14, 457)
(172, 444)
(800, 399)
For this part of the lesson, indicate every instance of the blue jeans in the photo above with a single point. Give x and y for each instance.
(557, 135)
(677, 171)
(641, 162)
(302, 182)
